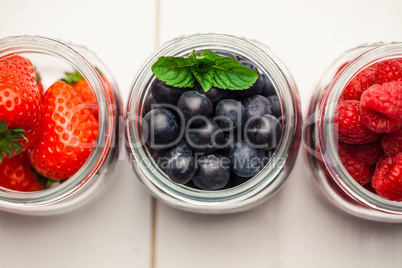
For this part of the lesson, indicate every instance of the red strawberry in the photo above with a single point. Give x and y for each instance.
(16, 174)
(359, 171)
(392, 143)
(387, 179)
(68, 135)
(77, 81)
(20, 106)
(387, 71)
(348, 125)
(381, 107)
(362, 81)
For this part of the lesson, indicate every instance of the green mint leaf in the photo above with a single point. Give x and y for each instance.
(210, 54)
(203, 72)
(209, 69)
(229, 73)
(175, 71)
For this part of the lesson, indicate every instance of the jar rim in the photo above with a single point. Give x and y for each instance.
(51, 47)
(327, 139)
(185, 197)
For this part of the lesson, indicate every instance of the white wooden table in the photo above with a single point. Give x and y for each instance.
(122, 228)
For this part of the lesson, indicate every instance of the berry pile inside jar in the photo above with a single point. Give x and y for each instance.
(46, 135)
(367, 123)
(212, 120)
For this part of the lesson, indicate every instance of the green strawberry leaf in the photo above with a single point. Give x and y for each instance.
(46, 181)
(72, 78)
(175, 71)
(3, 126)
(203, 72)
(9, 140)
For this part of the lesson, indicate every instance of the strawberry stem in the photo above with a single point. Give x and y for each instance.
(9, 140)
(75, 77)
(42, 179)
(72, 78)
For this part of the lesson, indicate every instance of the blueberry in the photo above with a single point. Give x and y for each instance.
(181, 147)
(231, 137)
(246, 160)
(160, 129)
(257, 105)
(156, 154)
(268, 89)
(263, 131)
(276, 105)
(213, 172)
(164, 93)
(149, 104)
(214, 94)
(230, 114)
(194, 104)
(158, 157)
(181, 168)
(206, 138)
(256, 88)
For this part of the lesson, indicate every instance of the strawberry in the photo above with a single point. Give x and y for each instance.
(38, 80)
(77, 81)
(68, 135)
(20, 106)
(16, 174)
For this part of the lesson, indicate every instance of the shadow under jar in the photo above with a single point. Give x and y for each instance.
(230, 199)
(321, 144)
(52, 59)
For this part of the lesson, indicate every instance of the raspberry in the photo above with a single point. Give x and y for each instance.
(362, 81)
(381, 107)
(387, 71)
(392, 143)
(340, 68)
(359, 171)
(348, 125)
(387, 179)
(382, 158)
(368, 153)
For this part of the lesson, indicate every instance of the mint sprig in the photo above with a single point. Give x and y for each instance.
(175, 71)
(209, 69)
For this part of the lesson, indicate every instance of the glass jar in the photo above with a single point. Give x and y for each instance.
(249, 194)
(330, 177)
(53, 58)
